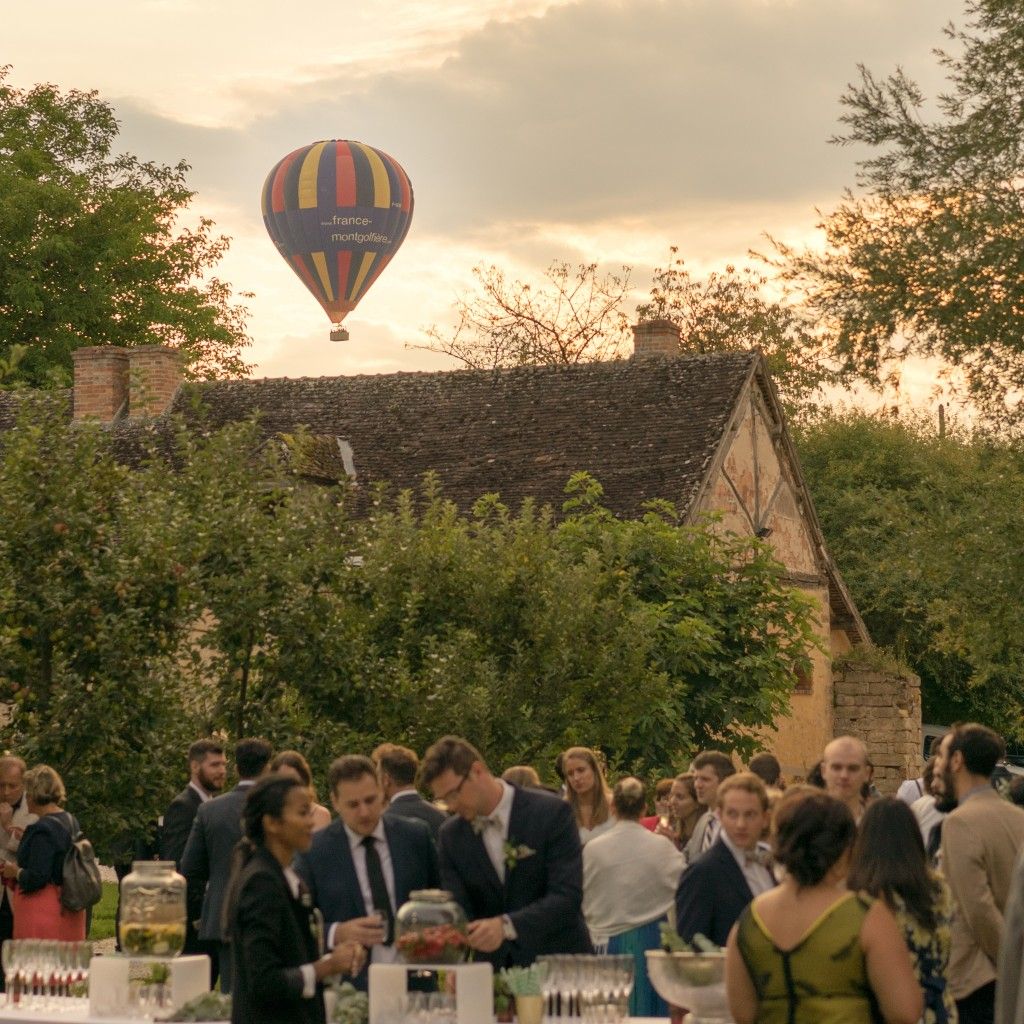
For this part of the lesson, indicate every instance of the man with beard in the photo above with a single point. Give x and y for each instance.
(981, 838)
(208, 768)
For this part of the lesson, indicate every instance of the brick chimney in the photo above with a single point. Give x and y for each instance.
(655, 338)
(154, 376)
(101, 383)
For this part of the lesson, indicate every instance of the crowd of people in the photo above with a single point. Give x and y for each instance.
(833, 903)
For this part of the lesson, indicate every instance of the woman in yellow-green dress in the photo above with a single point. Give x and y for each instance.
(810, 951)
(890, 863)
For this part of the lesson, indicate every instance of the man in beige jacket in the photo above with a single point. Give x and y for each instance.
(981, 839)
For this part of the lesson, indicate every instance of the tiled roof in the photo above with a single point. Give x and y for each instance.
(645, 429)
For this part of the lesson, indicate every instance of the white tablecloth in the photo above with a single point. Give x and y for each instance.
(73, 1015)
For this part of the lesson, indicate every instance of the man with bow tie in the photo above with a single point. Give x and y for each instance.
(717, 886)
(510, 856)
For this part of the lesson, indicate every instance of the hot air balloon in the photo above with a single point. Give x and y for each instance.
(337, 212)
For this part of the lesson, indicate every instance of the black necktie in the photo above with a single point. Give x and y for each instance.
(379, 888)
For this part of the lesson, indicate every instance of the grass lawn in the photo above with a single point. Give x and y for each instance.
(103, 913)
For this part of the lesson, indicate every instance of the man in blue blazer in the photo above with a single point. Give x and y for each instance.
(362, 867)
(510, 856)
(717, 886)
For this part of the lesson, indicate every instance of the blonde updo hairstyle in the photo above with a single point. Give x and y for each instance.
(44, 786)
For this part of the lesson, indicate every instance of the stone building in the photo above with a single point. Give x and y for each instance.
(706, 432)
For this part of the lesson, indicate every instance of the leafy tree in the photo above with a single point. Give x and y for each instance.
(927, 259)
(90, 248)
(203, 587)
(731, 310)
(927, 532)
(99, 598)
(581, 317)
(576, 317)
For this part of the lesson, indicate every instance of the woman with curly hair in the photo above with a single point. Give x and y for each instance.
(810, 951)
(587, 792)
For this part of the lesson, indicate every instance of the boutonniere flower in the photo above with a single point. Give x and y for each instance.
(515, 852)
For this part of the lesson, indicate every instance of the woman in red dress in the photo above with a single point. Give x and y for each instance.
(38, 874)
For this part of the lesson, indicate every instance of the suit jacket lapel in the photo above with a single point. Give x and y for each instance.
(398, 864)
(735, 873)
(474, 845)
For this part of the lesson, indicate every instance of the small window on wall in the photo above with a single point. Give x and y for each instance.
(804, 677)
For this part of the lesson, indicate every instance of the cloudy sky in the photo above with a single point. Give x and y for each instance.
(532, 130)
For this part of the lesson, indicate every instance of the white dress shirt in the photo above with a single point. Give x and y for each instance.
(379, 954)
(203, 795)
(308, 971)
(630, 877)
(758, 877)
(495, 834)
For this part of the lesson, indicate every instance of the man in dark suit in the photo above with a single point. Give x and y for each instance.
(397, 767)
(717, 886)
(510, 856)
(206, 860)
(208, 768)
(362, 867)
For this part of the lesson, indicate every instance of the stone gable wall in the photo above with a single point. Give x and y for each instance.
(883, 708)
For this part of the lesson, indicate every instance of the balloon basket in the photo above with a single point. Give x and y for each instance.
(339, 334)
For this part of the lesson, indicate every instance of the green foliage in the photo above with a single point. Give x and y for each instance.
(928, 535)
(90, 248)
(98, 602)
(927, 259)
(210, 589)
(104, 914)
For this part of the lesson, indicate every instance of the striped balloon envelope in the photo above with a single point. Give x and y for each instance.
(337, 212)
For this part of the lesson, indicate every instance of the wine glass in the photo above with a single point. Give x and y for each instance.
(9, 958)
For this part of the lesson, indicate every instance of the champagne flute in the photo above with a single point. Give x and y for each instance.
(9, 958)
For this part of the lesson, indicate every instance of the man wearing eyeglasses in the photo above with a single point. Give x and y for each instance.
(510, 856)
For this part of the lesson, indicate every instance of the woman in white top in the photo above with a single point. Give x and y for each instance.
(587, 792)
(630, 877)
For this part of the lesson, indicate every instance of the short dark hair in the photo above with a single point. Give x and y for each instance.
(720, 763)
(449, 752)
(766, 767)
(349, 768)
(628, 799)
(981, 748)
(811, 833)
(252, 756)
(201, 749)
(400, 763)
